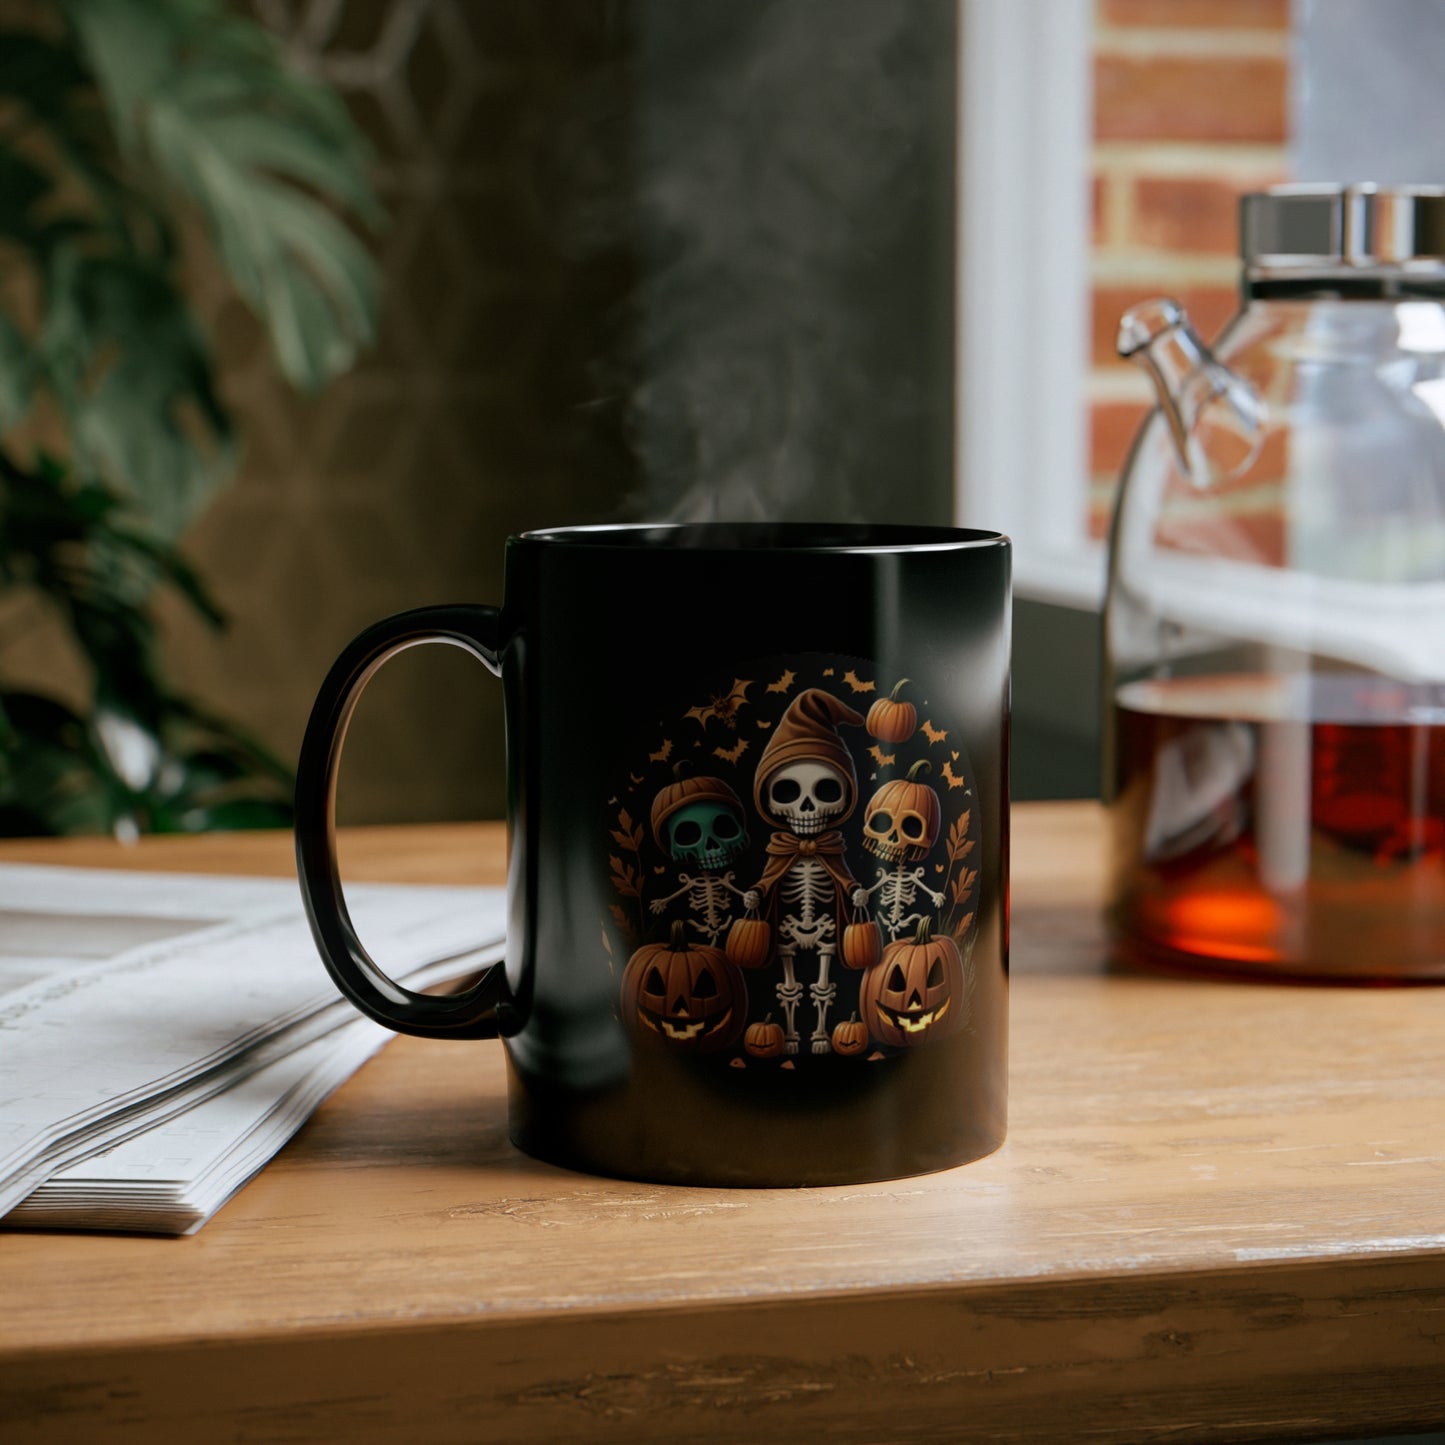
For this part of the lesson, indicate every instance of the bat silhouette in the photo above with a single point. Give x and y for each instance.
(950, 777)
(857, 683)
(724, 706)
(933, 734)
(783, 683)
(663, 753)
(731, 755)
(880, 757)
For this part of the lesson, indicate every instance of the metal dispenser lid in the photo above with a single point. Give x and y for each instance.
(1290, 232)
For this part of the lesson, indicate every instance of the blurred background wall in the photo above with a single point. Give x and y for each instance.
(646, 258)
(669, 258)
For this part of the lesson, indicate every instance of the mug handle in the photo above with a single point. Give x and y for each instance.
(471, 1014)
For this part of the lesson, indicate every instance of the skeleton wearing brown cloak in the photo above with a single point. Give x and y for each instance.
(807, 731)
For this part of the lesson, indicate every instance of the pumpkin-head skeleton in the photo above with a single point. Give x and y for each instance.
(902, 819)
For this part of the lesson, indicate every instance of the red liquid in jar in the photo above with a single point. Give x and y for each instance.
(1287, 826)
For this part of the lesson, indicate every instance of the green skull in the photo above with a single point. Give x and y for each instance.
(709, 834)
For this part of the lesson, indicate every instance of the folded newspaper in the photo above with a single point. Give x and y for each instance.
(162, 1034)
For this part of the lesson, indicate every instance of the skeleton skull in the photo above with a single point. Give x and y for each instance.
(902, 819)
(706, 833)
(897, 835)
(806, 796)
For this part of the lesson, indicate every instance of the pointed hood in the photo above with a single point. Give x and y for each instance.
(809, 729)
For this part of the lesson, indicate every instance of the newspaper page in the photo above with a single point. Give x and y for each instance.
(130, 999)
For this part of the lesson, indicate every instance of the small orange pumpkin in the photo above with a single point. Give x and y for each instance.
(891, 720)
(765, 1040)
(749, 942)
(916, 992)
(862, 943)
(686, 995)
(850, 1037)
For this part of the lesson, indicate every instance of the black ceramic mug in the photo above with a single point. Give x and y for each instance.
(758, 834)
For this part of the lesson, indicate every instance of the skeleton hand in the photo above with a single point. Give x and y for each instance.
(658, 904)
(860, 898)
(918, 879)
(751, 899)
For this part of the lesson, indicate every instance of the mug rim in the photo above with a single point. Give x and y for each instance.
(823, 537)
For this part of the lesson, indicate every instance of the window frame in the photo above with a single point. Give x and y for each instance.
(1025, 126)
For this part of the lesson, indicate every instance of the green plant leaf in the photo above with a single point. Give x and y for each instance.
(51, 784)
(107, 123)
(39, 73)
(207, 101)
(45, 80)
(134, 377)
(17, 375)
(22, 186)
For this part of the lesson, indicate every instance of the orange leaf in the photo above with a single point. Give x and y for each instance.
(624, 924)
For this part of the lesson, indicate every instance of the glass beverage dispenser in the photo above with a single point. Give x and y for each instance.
(1275, 624)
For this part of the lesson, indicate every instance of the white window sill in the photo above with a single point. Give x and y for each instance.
(1063, 578)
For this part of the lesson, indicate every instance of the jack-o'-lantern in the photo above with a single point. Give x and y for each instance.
(916, 991)
(890, 719)
(765, 1040)
(850, 1037)
(684, 994)
(902, 819)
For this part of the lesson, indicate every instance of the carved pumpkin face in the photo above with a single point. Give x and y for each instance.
(765, 1040)
(916, 992)
(902, 819)
(685, 995)
(850, 1037)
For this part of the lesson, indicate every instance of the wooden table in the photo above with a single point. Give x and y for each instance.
(1220, 1214)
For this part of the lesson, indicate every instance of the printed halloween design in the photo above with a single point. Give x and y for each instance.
(833, 913)
(689, 997)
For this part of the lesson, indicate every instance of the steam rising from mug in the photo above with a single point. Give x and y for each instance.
(791, 212)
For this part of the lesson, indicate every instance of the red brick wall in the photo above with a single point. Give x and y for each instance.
(1190, 111)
